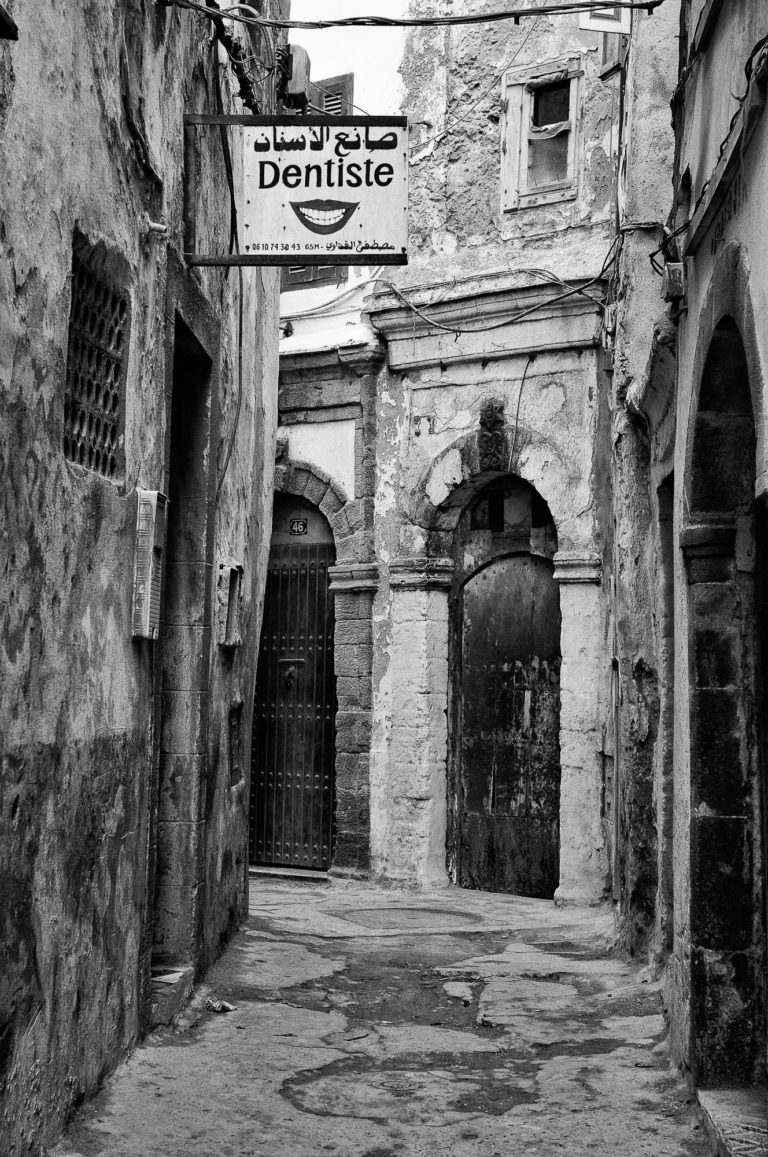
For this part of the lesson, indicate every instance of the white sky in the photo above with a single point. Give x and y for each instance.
(373, 54)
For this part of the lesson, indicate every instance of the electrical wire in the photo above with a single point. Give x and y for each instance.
(235, 53)
(327, 92)
(528, 364)
(483, 96)
(561, 8)
(265, 29)
(234, 247)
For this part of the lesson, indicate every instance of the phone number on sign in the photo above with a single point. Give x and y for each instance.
(285, 247)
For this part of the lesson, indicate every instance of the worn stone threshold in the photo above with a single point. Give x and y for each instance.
(736, 1121)
(288, 873)
(171, 989)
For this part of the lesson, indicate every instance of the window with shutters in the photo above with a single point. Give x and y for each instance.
(540, 149)
(332, 97)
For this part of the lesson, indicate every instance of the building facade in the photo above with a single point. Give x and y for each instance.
(457, 440)
(136, 447)
(701, 402)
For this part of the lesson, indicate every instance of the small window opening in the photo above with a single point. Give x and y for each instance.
(540, 515)
(230, 604)
(235, 744)
(549, 135)
(496, 511)
(551, 104)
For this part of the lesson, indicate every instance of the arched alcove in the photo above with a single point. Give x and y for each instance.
(292, 797)
(504, 659)
(722, 553)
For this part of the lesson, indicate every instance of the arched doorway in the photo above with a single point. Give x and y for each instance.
(292, 752)
(504, 790)
(724, 552)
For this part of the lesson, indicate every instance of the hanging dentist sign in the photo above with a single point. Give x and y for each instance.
(324, 190)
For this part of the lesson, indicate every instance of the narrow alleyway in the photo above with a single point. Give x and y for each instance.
(378, 1022)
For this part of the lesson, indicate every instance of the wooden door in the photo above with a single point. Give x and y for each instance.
(509, 752)
(292, 753)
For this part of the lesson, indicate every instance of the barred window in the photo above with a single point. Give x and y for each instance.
(94, 400)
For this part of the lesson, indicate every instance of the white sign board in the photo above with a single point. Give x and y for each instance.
(322, 190)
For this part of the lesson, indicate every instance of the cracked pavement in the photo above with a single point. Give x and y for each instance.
(378, 1022)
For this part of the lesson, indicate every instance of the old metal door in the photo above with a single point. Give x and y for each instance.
(510, 721)
(292, 753)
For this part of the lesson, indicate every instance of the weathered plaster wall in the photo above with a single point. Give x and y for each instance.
(717, 995)
(91, 98)
(643, 393)
(457, 225)
(329, 445)
(428, 469)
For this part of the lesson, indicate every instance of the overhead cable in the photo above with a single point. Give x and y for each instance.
(561, 8)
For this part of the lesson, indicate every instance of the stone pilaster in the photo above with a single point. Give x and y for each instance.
(410, 844)
(583, 855)
(353, 587)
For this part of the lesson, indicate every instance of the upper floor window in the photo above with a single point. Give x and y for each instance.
(540, 159)
(612, 18)
(300, 276)
(333, 96)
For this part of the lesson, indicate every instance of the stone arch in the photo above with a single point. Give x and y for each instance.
(729, 296)
(722, 552)
(344, 515)
(353, 584)
(462, 470)
(504, 663)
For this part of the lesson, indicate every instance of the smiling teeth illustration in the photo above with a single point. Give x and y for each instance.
(324, 217)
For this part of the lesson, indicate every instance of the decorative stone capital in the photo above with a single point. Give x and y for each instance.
(576, 566)
(351, 577)
(421, 573)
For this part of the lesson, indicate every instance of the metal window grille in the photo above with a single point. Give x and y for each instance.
(94, 401)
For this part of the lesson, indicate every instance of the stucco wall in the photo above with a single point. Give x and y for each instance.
(457, 224)
(643, 397)
(91, 101)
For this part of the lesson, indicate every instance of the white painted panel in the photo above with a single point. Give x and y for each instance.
(329, 445)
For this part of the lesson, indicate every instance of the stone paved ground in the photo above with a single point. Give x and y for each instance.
(383, 1023)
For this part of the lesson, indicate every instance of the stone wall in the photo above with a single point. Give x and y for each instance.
(432, 460)
(91, 103)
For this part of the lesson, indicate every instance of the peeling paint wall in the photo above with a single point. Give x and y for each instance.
(458, 142)
(643, 397)
(91, 101)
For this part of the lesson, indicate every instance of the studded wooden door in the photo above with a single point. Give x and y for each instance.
(292, 761)
(510, 721)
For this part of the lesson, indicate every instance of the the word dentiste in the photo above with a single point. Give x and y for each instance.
(333, 174)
